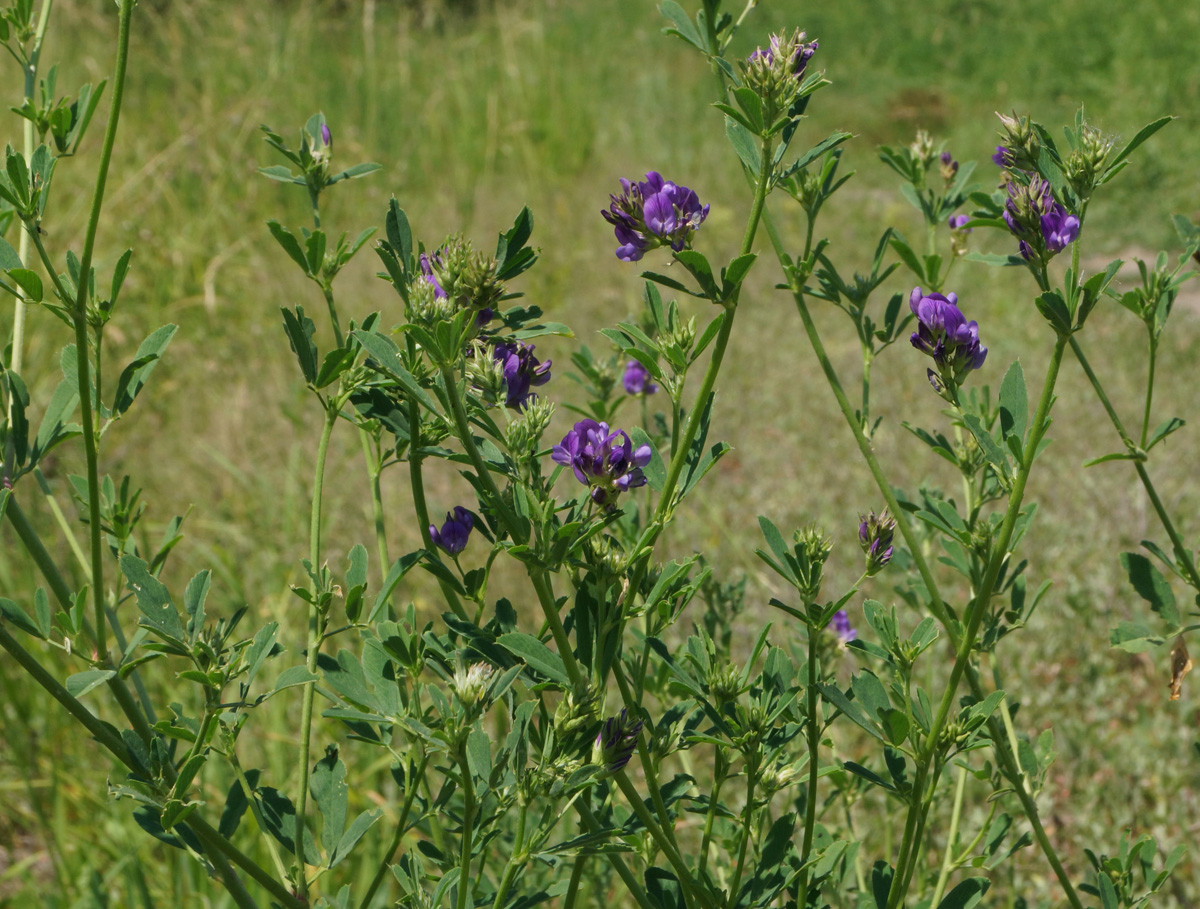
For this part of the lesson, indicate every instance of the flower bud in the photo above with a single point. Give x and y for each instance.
(875, 537)
(616, 742)
(471, 683)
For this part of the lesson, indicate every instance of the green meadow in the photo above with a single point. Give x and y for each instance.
(474, 110)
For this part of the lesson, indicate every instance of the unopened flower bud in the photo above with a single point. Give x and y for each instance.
(471, 683)
(616, 742)
(875, 534)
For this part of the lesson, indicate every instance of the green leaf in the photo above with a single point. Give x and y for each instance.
(290, 244)
(82, 682)
(384, 351)
(479, 756)
(1108, 893)
(280, 173)
(1133, 637)
(8, 256)
(1051, 306)
(314, 252)
(336, 362)
(1151, 586)
(134, 376)
(29, 282)
(1164, 430)
(993, 452)
(11, 612)
(966, 894)
(294, 675)
(743, 143)
(329, 790)
(1143, 134)
(354, 833)
(535, 654)
(681, 26)
(53, 429)
(358, 170)
(153, 599)
(300, 330)
(279, 817)
(1014, 403)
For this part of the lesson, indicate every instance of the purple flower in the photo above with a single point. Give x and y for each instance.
(522, 370)
(875, 534)
(958, 222)
(427, 263)
(944, 334)
(453, 535)
(637, 379)
(326, 135)
(1059, 229)
(840, 626)
(616, 742)
(604, 461)
(1041, 224)
(652, 214)
(1003, 157)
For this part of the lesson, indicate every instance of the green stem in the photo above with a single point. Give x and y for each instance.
(213, 839)
(417, 480)
(975, 616)
(255, 807)
(401, 826)
(627, 877)
(101, 732)
(648, 768)
(710, 817)
(1182, 554)
(468, 829)
(814, 741)
(518, 858)
(747, 812)
(333, 315)
(63, 524)
(315, 639)
(374, 470)
(1149, 391)
(692, 893)
(31, 71)
(948, 858)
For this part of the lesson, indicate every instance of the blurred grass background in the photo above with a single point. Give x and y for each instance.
(475, 110)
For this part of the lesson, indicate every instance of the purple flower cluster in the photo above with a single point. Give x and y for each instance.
(637, 379)
(522, 371)
(1002, 157)
(944, 334)
(958, 222)
(801, 52)
(427, 263)
(841, 627)
(454, 533)
(604, 461)
(1043, 226)
(875, 533)
(616, 742)
(652, 214)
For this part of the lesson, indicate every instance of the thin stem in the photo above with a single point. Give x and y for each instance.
(315, 639)
(231, 882)
(31, 71)
(948, 859)
(333, 315)
(1182, 554)
(417, 480)
(518, 858)
(747, 812)
(212, 838)
(468, 829)
(814, 741)
(710, 815)
(1149, 390)
(632, 884)
(648, 768)
(374, 470)
(63, 524)
(691, 892)
(401, 826)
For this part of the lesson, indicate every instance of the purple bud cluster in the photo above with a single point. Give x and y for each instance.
(875, 533)
(616, 742)
(606, 462)
(841, 627)
(637, 379)
(1043, 226)
(653, 213)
